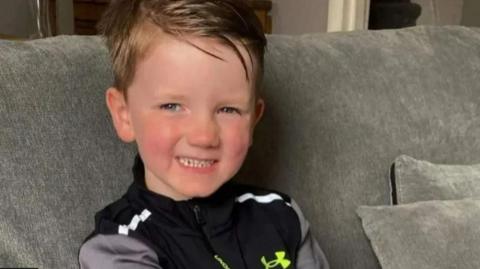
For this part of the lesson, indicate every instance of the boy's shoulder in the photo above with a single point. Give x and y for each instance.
(272, 204)
(116, 209)
(119, 212)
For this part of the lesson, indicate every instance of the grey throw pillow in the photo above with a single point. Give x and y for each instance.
(432, 234)
(417, 180)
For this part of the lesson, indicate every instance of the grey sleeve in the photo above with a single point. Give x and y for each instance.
(309, 255)
(116, 251)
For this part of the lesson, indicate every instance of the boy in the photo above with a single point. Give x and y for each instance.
(187, 75)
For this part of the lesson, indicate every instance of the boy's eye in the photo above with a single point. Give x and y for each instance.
(229, 110)
(171, 107)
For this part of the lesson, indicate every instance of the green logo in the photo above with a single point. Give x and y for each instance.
(281, 260)
(222, 263)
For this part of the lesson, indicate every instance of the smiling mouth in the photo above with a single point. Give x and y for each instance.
(195, 163)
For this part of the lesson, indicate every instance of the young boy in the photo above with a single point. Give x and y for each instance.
(187, 76)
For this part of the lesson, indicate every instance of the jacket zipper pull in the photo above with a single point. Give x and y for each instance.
(201, 222)
(198, 215)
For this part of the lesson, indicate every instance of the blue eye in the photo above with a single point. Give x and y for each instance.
(171, 107)
(229, 110)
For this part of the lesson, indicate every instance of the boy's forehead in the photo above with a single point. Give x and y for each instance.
(175, 59)
(211, 46)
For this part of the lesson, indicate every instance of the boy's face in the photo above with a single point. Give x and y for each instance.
(192, 115)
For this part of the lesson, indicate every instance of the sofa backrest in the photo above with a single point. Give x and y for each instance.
(339, 108)
(59, 158)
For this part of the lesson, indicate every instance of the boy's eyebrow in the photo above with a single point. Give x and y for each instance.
(168, 95)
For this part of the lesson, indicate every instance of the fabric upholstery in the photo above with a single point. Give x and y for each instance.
(418, 180)
(339, 108)
(427, 235)
(60, 161)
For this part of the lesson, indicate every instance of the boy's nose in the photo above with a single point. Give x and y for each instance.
(203, 133)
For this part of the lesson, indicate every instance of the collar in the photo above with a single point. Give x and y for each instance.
(215, 212)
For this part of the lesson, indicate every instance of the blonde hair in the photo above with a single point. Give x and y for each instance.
(130, 26)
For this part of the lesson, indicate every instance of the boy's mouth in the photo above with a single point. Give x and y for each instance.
(195, 163)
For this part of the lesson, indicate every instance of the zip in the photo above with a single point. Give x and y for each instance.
(198, 216)
(201, 223)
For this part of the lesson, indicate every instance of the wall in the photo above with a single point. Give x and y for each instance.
(16, 18)
(299, 16)
(65, 17)
(449, 12)
(440, 12)
(471, 13)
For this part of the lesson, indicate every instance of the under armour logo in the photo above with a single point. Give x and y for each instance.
(281, 260)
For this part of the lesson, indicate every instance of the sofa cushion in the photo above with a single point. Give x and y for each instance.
(429, 234)
(418, 180)
(339, 109)
(60, 161)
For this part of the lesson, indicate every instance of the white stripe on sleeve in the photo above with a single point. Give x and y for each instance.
(123, 229)
(263, 199)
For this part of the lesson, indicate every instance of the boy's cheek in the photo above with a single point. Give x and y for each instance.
(239, 142)
(157, 139)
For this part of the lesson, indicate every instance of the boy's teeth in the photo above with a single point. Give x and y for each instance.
(196, 163)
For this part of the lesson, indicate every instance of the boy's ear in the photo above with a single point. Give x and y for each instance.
(117, 105)
(259, 108)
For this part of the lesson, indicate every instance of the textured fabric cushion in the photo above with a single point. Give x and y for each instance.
(60, 160)
(339, 109)
(418, 180)
(431, 234)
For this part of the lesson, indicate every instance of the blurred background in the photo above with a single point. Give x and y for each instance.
(28, 19)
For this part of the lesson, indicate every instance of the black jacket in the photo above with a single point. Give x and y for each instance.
(238, 227)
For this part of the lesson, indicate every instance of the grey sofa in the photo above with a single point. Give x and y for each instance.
(339, 109)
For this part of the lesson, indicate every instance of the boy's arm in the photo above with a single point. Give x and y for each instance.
(116, 251)
(309, 255)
